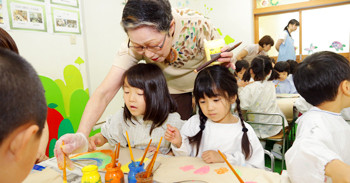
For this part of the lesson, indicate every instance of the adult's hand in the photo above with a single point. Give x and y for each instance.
(227, 58)
(73, 143)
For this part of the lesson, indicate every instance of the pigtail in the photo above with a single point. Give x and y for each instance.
(286, 28)
(245, 144)
(274, 75)
(196, 139)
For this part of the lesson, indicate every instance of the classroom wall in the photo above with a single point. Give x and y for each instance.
(104, 33)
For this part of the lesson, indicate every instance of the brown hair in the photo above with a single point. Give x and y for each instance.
(6, 41)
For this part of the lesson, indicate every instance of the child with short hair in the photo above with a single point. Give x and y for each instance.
(260, 96)
(322, 146)
(148, 109)
(282, 83)
(214, 127)
(22, 116)
(241, 67)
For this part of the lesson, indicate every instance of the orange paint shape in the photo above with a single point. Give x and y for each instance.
(221, 170)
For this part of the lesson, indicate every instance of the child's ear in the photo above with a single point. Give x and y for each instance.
(172, 27)
(20, 138)
(233, 99)
(345, 87)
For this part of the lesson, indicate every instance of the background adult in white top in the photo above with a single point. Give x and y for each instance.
(249, 52)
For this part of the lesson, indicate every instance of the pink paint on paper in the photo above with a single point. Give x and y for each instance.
(203, 170)
(187, 168)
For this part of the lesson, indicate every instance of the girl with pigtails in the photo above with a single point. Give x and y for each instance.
(215, 127)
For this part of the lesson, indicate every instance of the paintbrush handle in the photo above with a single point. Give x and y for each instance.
(118, 151)
(131, 155)
(233, 170)
(114, 156)
(144, 154)
(150, 165)
(216, 58)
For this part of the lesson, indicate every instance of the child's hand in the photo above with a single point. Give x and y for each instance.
(173, 135)
(212, 157)
(96, 141)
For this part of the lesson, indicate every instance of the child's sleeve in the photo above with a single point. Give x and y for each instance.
(189, 129)
(112, 130)
(246, 97)
(309, 155)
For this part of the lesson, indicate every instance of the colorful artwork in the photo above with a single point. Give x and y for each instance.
(187, 168)
(202, 170)
(337, 45)
(228, 39)
(310, 49)
(221, 170)
(274, 2)
(264, 3)
(99, 157)
(66, 103)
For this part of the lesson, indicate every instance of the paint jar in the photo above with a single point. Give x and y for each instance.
(114, 175)
(135, 168)
(140, 178)
(90, 174)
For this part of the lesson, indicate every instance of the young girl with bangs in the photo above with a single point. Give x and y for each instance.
(148, 109)
(215, 127)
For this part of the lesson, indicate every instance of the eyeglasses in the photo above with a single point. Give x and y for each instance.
(149, 48)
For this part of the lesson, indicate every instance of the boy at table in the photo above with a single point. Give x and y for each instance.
(321, 150)
(22, 116)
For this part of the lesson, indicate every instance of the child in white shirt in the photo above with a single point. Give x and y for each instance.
(260, 96)
(215, 128)
(148, 109)
(321, 151)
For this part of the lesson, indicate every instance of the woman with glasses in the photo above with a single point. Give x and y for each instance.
(172, 39)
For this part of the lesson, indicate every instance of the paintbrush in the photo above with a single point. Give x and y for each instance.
(118, 151)
(64, 164)
(144, 154)
(150, 165)
(215, 58)
(233, 170)
(114, 156)
(131, 155)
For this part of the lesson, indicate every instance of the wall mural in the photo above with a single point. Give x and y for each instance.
(66, 102)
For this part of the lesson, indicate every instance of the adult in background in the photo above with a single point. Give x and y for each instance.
(249, 52)
(285, 44)
(172, 39)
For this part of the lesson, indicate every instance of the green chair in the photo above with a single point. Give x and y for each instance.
(283, 136)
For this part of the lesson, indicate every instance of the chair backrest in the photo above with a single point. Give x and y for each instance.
(282, 119)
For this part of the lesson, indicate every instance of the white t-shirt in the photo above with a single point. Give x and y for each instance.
(253, 51)
(283, 36)
(225, 137)
(260, 96)
(322, 136)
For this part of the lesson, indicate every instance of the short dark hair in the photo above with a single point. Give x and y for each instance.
(6, 41)
(267, 40)
(213, 81)
(292, 66)
(261, 67)
(240, 64)
(282, 66)
(22, 95)
(155, 13)
(159, 103)
(318, 77)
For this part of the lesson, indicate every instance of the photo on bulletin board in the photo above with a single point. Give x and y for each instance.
(1, 14)
(66, 21)
(26, 16)
(72, 3)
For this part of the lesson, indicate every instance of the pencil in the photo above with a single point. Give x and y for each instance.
(144, 154)
(131, 155)
(64, 165)
(233, 170)
(215, 58)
